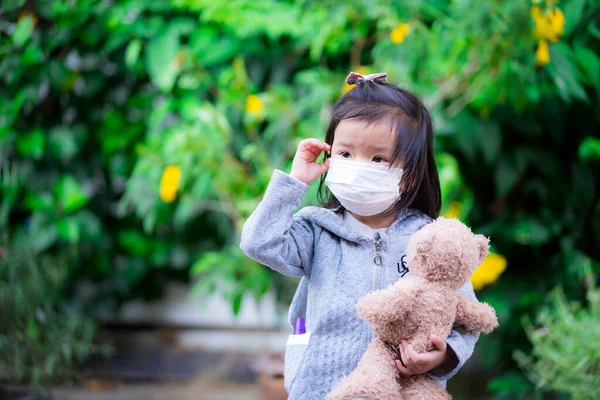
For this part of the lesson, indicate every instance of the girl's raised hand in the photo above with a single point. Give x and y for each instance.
(305, 167)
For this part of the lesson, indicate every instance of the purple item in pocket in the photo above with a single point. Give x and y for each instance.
(300, 327)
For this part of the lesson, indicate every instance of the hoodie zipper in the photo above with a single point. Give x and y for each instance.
(377, 263)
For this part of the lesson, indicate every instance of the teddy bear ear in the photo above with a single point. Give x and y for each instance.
(484, 247)
(424, 244)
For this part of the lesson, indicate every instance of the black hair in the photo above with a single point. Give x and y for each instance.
(371, 102)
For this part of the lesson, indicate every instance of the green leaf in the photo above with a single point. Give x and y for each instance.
(589, 149)
(203, 286)
(183, 25)
(134, 242)
(32, 329)
(31, 55)
(593, 30)
(42, 232)
(13, 5)
(236, 303)
(133, 52)
(531, 298)
(113, 122)
(572, 13)
(23, 30)
(207, 261)
(63, 143)
(26, 95)
(203, 186)
(531, 231)
(449, 175)
(68, 229)
(589, 65)
(11, 183)
(40, 202)
(187, 208)
(161, 54)
(563, 73)
(60, 76)
(32, 144)
(211, 47)
(512, 382)
(90, 224)
(69, 194)
(159, 253)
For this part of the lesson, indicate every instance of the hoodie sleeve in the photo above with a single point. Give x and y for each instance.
(272, 235)
(460, 341)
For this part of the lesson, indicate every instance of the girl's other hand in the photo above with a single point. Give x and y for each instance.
(416, 364)
(305, 167)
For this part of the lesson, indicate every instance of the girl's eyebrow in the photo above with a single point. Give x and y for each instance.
(380, 148)
(374, 147)
(345, 144)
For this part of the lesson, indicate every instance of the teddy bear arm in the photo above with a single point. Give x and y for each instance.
(385, 305)
(475, 316)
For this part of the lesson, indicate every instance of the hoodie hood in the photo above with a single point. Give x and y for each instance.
(332, 220)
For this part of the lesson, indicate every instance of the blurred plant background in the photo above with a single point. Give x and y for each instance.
(137, 136)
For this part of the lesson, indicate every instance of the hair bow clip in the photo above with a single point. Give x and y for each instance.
(355, 78)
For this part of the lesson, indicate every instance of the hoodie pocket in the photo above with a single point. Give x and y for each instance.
(295, 351)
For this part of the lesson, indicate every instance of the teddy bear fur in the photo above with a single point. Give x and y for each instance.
(442, 256)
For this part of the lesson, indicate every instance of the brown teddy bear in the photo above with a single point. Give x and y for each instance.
(442, 256)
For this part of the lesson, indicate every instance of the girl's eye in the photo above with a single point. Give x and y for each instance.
(378, 159)
(345, 154)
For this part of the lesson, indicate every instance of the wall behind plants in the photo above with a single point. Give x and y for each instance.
(144, 133)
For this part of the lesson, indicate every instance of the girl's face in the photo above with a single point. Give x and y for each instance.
(355, 140)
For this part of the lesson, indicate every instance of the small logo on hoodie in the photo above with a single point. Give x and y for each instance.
(402, 268)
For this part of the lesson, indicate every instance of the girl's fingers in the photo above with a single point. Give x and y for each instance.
(402, 352)
(414, 357)
(315, 153)
(316, 142)
(310, 151)
(323, 169)
(315, 146)
(438, 342)
(403, 370)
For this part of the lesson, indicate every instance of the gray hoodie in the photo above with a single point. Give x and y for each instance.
(336, 266)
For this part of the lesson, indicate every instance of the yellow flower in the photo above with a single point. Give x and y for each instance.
(361, 70)
(557, 21)
(550, 25)
(454, 211)
(399, 33)
(169, 183)
(254, 105)
(25, 14)
(542, 54)
(489, 271)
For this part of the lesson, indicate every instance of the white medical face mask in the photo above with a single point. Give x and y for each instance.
(362, 188)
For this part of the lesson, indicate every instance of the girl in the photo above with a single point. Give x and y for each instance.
(382, 186)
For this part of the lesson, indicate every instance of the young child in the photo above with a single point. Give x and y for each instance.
(382, 187)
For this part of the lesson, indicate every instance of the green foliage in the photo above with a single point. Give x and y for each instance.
(41, 341)
(566, 345)
(99, 97)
